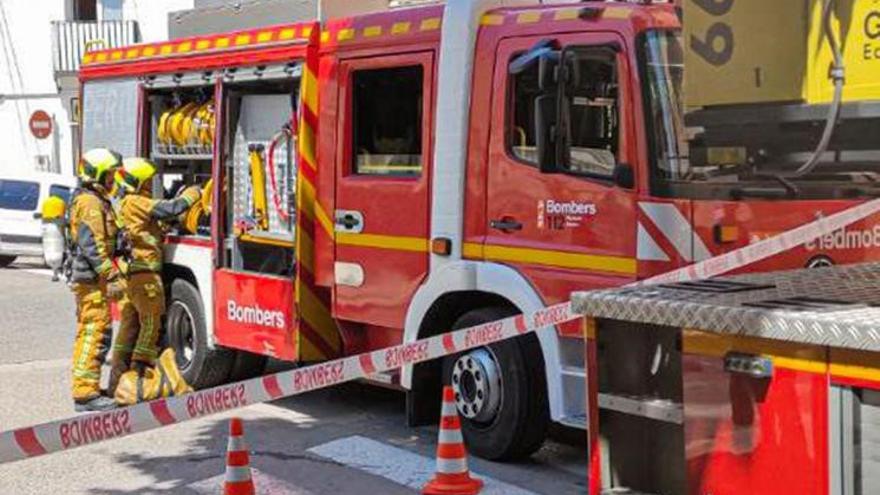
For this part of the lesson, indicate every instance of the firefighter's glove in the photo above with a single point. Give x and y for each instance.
(192, 194)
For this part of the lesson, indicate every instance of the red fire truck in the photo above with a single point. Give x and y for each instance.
(390, 176)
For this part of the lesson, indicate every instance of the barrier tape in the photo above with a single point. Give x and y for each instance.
(79, 431)
(772, 246)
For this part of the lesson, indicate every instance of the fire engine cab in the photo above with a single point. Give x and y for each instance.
(394, 175)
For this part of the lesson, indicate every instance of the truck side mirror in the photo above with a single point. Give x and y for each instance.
(624, 176)
(546, 122)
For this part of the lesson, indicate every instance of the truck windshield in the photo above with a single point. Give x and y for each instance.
(739, 151)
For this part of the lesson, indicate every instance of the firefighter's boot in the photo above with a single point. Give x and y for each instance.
(99, 403)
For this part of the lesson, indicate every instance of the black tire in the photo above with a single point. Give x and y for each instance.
(204, 367)
(247, 365)
(520, 425)
(5, 261)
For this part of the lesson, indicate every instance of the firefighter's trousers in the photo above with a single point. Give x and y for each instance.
(93, 333)
(138, 340)
(120, 357)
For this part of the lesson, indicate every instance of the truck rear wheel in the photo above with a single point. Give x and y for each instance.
(187, 333)
(500, 391)
(6, 261)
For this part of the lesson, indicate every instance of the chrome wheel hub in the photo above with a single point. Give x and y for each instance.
(181, 327)
(476, 380)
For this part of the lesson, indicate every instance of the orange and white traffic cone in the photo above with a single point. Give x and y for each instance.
(452, 477)
(238, 468)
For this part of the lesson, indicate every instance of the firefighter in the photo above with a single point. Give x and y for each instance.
(92, 239)
(143, 220)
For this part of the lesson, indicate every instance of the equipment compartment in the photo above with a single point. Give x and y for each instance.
(260, 175)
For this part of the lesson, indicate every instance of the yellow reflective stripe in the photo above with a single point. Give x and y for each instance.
(372, 31)
(492, 20)
(86, 375)
(86, 348)
(861, 365)
(345, 34)
(397, 243)
(400, 27)
(310, 90)
(566, 15)
(430, 24)
(316, 314)
(472, 250)
(528, 17)
(797, 357)
(306, 252)
(617, 13)
(150, 266)
(307, 145)
(122, 348)
(309, 198)
(590, 328)
(561, 259)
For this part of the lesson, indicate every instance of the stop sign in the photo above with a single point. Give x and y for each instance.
(41, 124)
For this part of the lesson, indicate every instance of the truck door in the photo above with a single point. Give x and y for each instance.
(382, 186)
(573, 229)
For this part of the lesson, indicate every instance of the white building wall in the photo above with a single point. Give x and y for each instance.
(153, 15)
(26, 70)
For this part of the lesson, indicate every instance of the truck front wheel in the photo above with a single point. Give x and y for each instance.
(500, 392)
(187, 332)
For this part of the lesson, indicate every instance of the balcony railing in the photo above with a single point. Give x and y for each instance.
(71, 39)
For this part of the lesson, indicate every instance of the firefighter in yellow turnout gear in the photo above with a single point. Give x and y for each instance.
(92, 235)
(142, 218)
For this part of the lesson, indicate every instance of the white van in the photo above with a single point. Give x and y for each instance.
(20, 201)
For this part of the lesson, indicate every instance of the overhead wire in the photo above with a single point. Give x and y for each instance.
(8, 45)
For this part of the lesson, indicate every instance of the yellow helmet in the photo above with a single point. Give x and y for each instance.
(135, 172)
(96, 163)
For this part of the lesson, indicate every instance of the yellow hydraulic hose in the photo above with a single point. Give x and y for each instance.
(258, 182)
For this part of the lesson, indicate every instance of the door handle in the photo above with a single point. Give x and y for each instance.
(506, 224)
(348, 221)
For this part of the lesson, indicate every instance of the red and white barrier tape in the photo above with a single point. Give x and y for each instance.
(760, 250)
(70, 433)
(79, 431)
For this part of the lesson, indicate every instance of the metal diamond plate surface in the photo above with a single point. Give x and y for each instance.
(853, 327)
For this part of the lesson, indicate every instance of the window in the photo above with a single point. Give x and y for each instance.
(62, 192)
(522, 138)
(590, 111)
(19, 195)
(111, 10)
(387, 121)
(589, 119)
(85, 10)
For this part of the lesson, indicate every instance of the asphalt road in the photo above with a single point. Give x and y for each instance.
(350, 439)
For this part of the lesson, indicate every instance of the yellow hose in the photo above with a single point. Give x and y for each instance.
(258, 183)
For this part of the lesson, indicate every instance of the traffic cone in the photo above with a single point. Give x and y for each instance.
(452, 477)
(238, 469)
